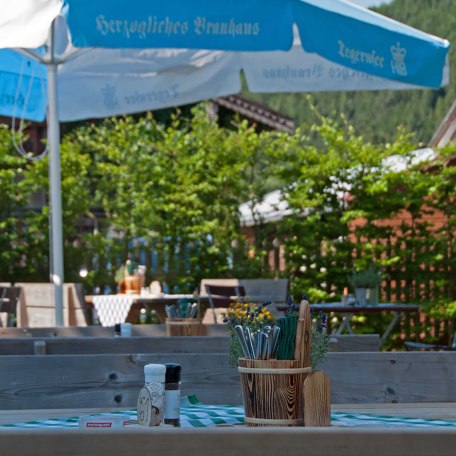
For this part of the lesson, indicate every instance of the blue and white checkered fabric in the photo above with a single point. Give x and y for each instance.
(112, 309)
(196, 414)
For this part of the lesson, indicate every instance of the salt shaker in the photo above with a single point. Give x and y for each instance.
(125, 329)
(122, 329)
(151, 400)
(172, 394)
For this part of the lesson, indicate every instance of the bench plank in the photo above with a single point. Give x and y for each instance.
(98, 331)
(17, 341)
(355, 342)
(114, 380)
(107, 380)
(113, 345)
(391, 377)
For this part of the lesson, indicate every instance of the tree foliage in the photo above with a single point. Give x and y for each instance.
(177, 187)
(418, 111)
(172, 191)
(14, 194)
(356, 203)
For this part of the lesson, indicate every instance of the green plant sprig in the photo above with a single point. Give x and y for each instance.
(369, 278)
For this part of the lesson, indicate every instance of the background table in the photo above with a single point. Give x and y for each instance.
(121, 308)
(348, 311)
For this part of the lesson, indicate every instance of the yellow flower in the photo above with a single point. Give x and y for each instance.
(241, 311)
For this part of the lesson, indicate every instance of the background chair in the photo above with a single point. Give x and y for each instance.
(257, 290)
(9, 297)
(223, 296)
(36, 308)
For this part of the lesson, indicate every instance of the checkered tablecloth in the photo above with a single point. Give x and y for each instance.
(196, 414)
(112, 309)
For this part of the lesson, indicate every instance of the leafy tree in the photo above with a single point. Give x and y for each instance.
(14, 194)
(174, 189)
(377, 114)
(75, 205)
(355, 202)
(178, 186)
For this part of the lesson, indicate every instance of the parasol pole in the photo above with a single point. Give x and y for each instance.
(55, 187)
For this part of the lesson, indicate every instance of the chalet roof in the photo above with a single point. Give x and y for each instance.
(256, 112)
(274, 205)
(446, 132)
(272, 208)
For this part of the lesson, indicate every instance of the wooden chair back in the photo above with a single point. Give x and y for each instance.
(223, 296)
(36, 307)
(257, 290)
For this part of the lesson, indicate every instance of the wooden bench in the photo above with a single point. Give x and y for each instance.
(355, 343)
(98, 331)
(113, 380)
(40, 342)
(112, 345)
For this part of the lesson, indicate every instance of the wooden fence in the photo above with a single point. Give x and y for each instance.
(423, 273)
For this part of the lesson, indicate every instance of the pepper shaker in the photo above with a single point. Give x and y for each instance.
(172, 394)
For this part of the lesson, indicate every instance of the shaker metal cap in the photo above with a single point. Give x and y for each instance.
(173, 372)
(154, 372)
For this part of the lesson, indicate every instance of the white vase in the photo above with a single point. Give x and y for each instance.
(361, 296)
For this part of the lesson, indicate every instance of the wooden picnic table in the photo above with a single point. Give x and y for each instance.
(429, 410)
(382, 384)
(238, 439)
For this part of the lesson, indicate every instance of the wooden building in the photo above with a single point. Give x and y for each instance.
(223, 109)
(446, 131)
